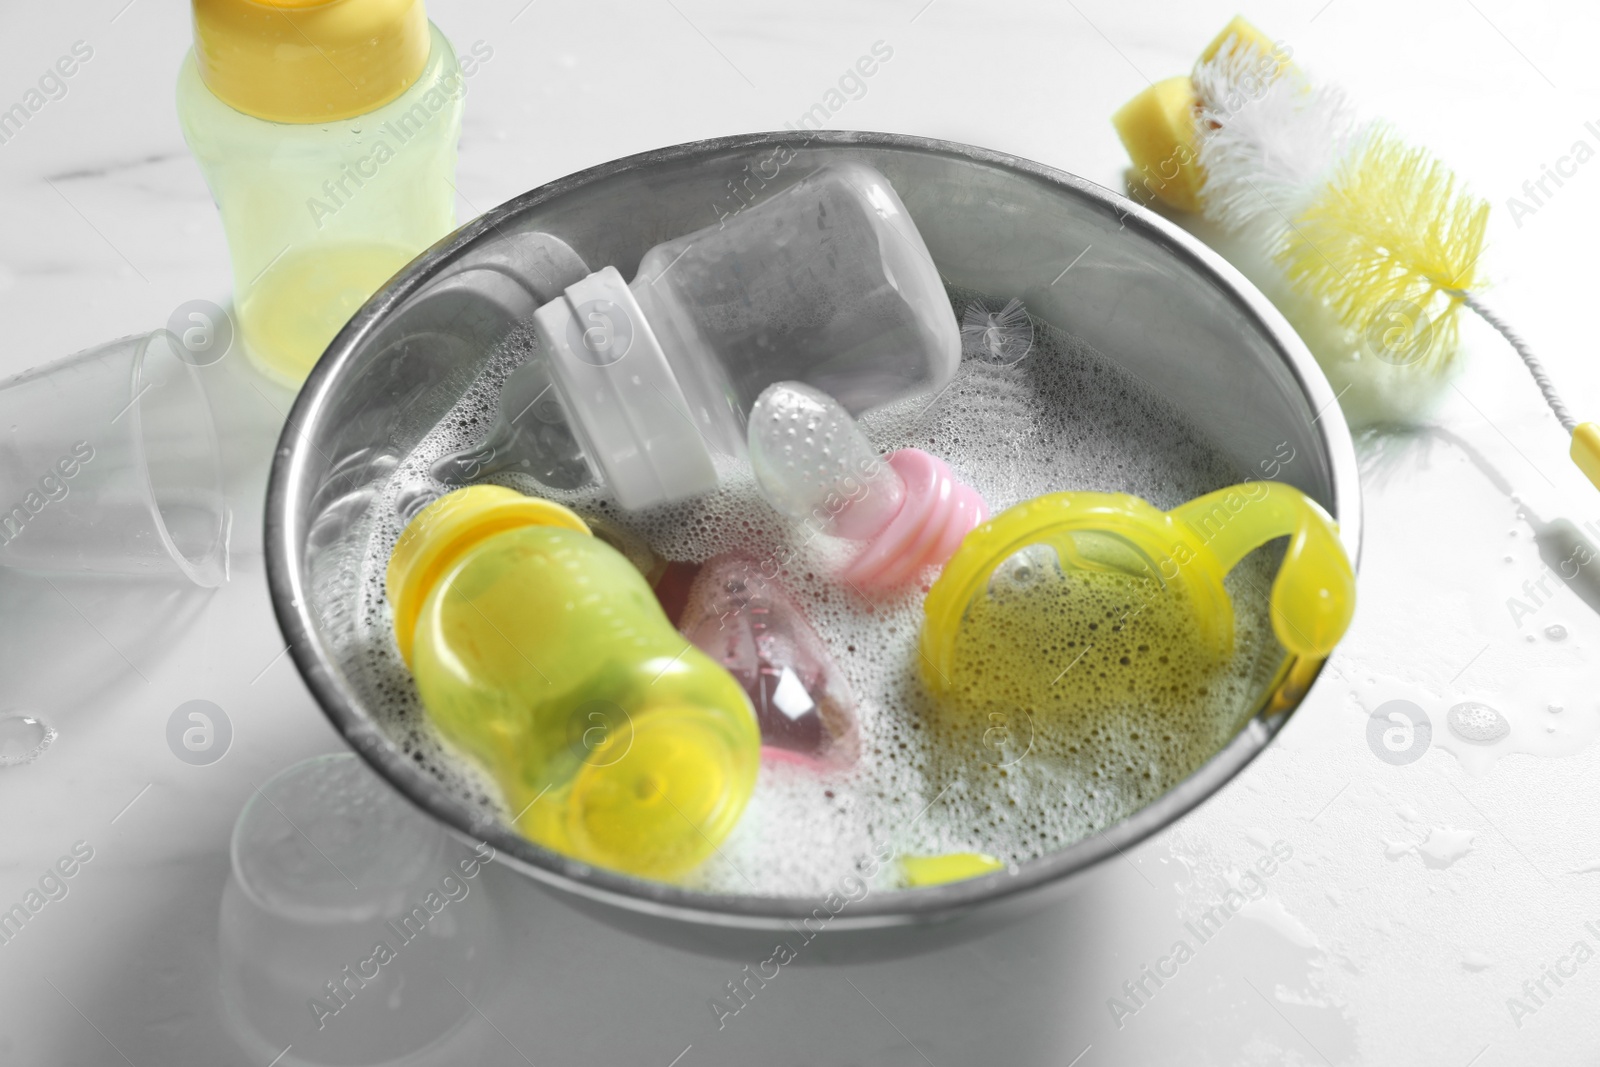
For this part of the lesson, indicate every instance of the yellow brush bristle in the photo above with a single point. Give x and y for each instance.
(1393, 229)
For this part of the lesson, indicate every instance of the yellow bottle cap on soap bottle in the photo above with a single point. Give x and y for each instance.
(306, 61)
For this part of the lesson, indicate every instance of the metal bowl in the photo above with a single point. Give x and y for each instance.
(1141, 291)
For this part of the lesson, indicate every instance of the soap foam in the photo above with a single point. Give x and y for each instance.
(930, 779)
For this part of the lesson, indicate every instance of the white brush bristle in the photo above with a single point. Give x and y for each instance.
(1270, 140)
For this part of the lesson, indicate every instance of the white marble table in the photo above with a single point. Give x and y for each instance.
(1417, 898)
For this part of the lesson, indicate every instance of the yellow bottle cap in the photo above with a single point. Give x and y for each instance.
(657, 796)
(443, 531)
(309, 60)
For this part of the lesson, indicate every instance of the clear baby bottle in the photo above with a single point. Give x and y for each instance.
(827, 282)
(541, 652)
(327, 132)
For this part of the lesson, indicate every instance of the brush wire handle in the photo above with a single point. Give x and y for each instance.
(1541, 377)
(1585, 451)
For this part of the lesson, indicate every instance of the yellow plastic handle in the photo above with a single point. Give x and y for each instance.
(1586, 451)
(1193, 547)
(1314, 595)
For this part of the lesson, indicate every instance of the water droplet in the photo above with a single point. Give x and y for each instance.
(1444, 845)
(1556, 709)
(22, 739)
(1476, 723)
(1556, 632)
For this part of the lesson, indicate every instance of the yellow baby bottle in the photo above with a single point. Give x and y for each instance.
(327, 132)
(541, 652)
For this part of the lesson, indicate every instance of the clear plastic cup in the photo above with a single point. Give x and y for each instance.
(353, 930)
(109, 465)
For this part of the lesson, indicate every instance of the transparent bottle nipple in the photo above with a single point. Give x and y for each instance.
(815, 465)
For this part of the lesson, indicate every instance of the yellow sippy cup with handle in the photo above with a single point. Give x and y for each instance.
(541, 652)
(1045, 584)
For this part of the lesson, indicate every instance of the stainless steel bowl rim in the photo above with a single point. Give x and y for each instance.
(284, 565)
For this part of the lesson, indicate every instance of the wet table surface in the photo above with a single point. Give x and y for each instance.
(1442, 909)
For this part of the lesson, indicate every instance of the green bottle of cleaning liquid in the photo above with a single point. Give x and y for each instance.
(541, 653)
(327, 132)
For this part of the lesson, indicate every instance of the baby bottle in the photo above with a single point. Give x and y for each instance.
(327, 132)
(541, 652)
(827, 282)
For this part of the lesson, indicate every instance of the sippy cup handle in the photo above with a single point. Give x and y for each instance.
(1195, 545)
(1313, 596)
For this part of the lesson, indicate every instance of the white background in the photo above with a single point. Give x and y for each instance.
(1419, 897)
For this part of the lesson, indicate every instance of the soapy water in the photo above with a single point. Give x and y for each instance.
(1003, 773)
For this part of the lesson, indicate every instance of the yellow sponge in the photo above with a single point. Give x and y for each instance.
(1158, 126)
(1158, 129)
(1248, 37)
